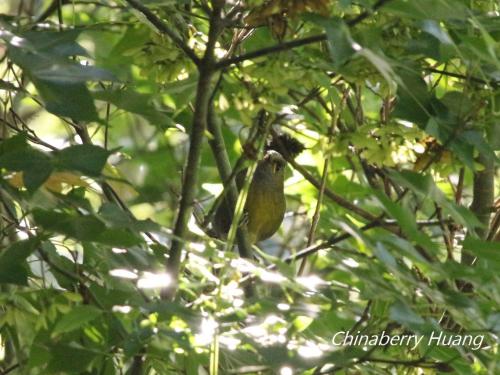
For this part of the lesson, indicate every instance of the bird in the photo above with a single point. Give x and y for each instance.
(265, 205)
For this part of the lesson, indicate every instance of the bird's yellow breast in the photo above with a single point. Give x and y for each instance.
(265, 208)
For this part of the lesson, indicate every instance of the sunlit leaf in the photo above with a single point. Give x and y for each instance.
(75, 319)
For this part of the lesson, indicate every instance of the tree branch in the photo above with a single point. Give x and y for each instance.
(298, 42)
(164, 29)
(484, 193)
(492, 83)
(224, 166)
(330, 194)
(273, 49)
(483, 197)
(51, 9)
(378, 222)
(203, 91)
(10, 369)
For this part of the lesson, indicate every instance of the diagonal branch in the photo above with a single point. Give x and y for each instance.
(298, 42)
(330, 194)
(164, 29)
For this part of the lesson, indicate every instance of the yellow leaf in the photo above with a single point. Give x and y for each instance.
(59, 180)
(56, 182)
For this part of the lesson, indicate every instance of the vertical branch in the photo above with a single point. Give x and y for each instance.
(59, 15)
(494, 232)
(206, 70)
(483, 193)
(317, 211)
(335, 116)
(224, 167)
(460, 186)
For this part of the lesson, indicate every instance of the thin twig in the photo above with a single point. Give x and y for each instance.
(298, 42)
(492, 83)
(310, 238)
(447, 234)
(460, 186)
(164, 29)
(10, 369)
(330, 194)
(317, 211)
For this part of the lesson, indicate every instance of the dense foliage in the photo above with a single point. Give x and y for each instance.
(120, 120)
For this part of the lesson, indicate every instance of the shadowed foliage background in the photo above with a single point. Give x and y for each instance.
(121, 121)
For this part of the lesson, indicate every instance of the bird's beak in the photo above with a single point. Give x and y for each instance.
(275, 167)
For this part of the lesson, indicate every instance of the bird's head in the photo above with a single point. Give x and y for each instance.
(273, 162)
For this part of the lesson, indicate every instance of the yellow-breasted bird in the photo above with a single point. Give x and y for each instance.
(265, 205)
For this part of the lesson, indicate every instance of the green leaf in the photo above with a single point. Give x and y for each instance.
(425, 44)
(15, 161)
(476, 139)
(119, 238)
(406, 220)
(70, 73)
(35, 165)
(61, 262)
(486, 250)
(87, 159)
(15, 143)
(442, 44)
(436, 30)
(402, 313)
(340, 42)
(84, 228)
(385, 257)
(52, 67)
(59, 80)
(301, 322)
(445, 131)
(457, 103)
(13, 267)
(424, 186)
(427, 9)
(134, 102)
(38, 355)
(413, 99)
(70, 358)
(380, 62)
(60, 43)
(75, 319)
(71, 100)
(115, 217)
(405, 248)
